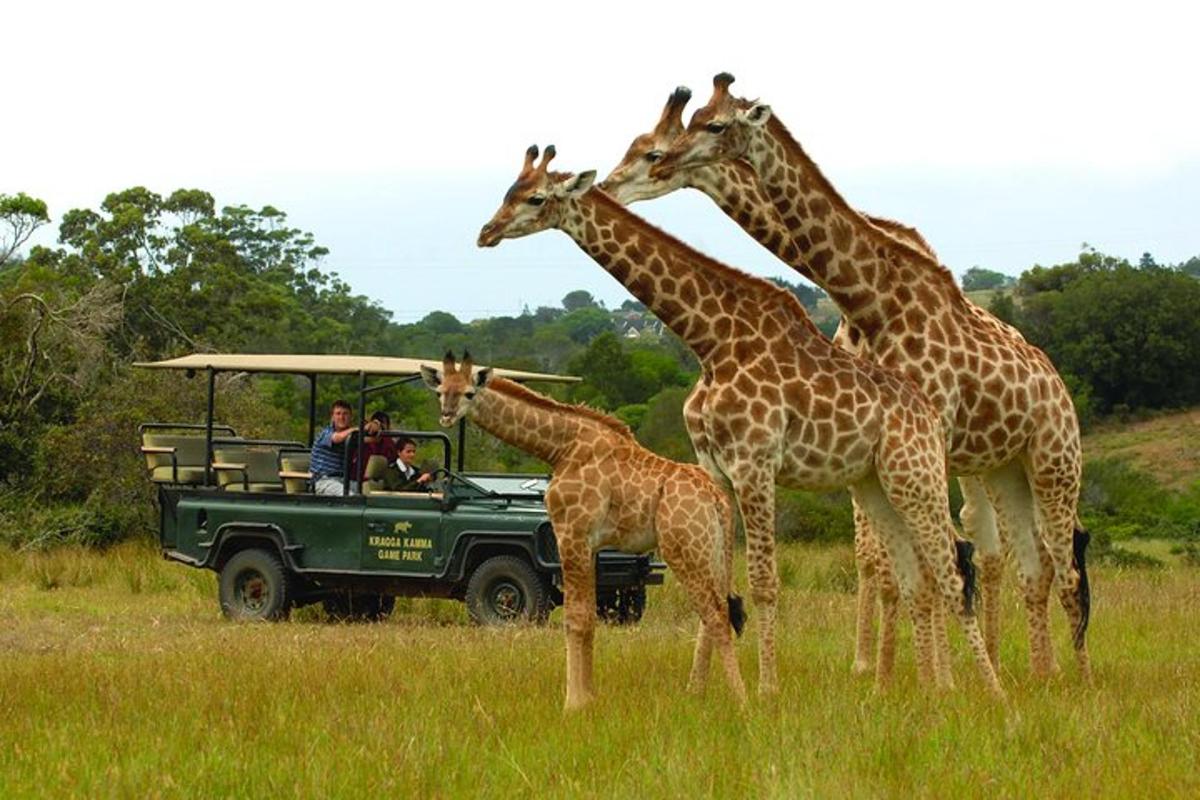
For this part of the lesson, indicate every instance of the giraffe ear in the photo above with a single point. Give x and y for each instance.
(756, 115)
(578, 184)
(483, 377)
(431, 376)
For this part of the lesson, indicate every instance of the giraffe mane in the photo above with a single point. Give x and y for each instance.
(780, 132)
(789, 300)
(519, 392)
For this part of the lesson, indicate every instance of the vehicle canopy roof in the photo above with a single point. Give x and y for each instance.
(327, 365)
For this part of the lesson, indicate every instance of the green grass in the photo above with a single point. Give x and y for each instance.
(123, 680)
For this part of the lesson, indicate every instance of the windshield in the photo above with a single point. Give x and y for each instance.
(533, 486)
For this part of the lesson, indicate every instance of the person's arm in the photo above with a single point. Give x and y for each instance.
(340, 436)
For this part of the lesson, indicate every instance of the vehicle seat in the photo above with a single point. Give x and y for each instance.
(294, 471)
(174, 457)
(247, 469)
(373, 475)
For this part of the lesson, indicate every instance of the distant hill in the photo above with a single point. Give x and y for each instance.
(1166, 446)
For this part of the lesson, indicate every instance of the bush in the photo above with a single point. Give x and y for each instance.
(811, 517)
(1128, 503)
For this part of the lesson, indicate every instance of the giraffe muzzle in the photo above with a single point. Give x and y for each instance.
(489, 236)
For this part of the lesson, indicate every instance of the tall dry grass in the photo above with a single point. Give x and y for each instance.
(119, 678)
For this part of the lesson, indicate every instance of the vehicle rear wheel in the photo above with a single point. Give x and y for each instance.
(622, 606)
(505, 590)
(351, 606)
(254, 586)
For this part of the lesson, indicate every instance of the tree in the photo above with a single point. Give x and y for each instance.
(20, 216)
(573, 301)
(585, 324)
(977, 278)
(808, 296)
(1131, 334)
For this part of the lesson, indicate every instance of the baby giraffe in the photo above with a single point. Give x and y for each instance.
(609, 491)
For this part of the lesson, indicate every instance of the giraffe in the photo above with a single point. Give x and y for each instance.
(609, 491)
(779, 402)
(630, 182)
(1009, 416)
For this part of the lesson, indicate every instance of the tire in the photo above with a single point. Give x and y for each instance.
(349, 606)
(254, 586)
(504, 590)
(622, 606)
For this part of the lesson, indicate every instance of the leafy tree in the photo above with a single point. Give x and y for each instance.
(1191, 267)
(573, 301)
(585, 324)
(808, 296)
(1131, 334)
(977, 278)
(20, 216)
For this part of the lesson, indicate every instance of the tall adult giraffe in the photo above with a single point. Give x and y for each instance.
(780, 402)
(1010, 418)
(630, 182)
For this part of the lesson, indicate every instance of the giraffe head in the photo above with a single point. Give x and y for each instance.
(720, 132)
(630, 181)
(456, 386)
(536, 201)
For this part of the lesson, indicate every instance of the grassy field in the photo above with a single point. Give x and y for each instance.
(119, 678)
(1166, 446)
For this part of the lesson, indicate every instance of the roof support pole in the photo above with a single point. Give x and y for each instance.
(208, 426)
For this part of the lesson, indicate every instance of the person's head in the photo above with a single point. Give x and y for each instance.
(406, 450)
(340, 415)
(385, 422)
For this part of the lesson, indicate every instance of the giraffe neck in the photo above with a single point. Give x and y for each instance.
(690, 292)
(540, 426)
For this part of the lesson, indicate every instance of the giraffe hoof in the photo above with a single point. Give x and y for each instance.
(861, 667)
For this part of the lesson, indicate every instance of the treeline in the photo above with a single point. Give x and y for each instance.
(1126, 337)
(146, 276)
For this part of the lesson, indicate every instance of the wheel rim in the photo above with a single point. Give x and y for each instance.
(507, 600)
(252, 591)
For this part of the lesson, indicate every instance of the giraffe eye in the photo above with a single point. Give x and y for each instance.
(654, 155)
(715, 127)
(536, 200)
(469, 395)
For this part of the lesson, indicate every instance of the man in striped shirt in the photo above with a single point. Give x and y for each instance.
(329, 450)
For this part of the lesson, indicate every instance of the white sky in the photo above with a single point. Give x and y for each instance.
(1008, 133)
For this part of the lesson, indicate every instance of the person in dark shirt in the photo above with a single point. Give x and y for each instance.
(376, 444)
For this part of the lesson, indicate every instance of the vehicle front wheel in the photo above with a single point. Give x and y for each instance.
(504, 590)
(254, 586)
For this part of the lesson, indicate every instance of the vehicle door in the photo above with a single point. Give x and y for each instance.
(402, 534)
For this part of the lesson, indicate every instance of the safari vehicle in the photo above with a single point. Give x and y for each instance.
(244, 508)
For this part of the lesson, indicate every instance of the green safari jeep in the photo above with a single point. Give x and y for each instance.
(244, 508)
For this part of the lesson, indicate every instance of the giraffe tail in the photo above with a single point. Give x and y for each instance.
(737, 613)
(963, 551)
(1084, 592)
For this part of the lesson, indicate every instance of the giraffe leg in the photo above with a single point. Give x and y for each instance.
(579, 603)
(692, 540)
(920, 501)
(866, 561)
(754, 488)
(701, 661)
(1009, 491)
(979, 523)
(942, 669)
(889, 611)
(1054, 470)
(897, 582)
(924, 601)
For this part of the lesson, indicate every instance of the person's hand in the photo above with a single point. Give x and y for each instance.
(373, 427)
(424, 478)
